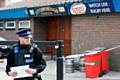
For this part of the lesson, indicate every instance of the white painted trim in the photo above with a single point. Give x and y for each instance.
(10, 27)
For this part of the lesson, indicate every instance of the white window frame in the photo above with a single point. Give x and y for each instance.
(28, 26)
(9, 27)
(3, 24)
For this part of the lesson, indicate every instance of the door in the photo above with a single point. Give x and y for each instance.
(59, 28)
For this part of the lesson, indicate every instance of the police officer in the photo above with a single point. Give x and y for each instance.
(25, 53)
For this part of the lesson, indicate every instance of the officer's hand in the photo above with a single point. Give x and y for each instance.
(13, 74)
(31, 71)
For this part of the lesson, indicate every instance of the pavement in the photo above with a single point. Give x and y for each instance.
(50, 74)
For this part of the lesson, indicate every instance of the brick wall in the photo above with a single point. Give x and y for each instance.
(8, 34)
(90, 31)
(38, 26)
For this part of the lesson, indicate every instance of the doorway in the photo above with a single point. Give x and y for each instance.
(59, 28)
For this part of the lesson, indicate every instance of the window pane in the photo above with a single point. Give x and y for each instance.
(1, 24)
(10, 24)
(24, 24)
(32, 12)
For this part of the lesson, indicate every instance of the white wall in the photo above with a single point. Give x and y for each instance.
(9, 2)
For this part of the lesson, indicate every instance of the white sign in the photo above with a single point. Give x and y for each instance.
(78, 8)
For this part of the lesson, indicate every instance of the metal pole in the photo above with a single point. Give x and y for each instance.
(59, 55)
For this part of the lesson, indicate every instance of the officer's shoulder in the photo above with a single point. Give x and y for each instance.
(14, 45)
(34, 45)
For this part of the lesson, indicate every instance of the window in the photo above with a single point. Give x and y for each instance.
(31, 12)
(24, 24)
(61, 9)
(1, 24)
(10, 24)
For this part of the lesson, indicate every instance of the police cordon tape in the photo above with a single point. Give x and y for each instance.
(74, 56)
(110, 49)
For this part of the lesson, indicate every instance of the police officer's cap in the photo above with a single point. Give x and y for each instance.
(24, 32)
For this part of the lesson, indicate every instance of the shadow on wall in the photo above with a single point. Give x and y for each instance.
(115, 60)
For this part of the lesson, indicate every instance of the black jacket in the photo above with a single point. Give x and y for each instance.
(26, 55)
